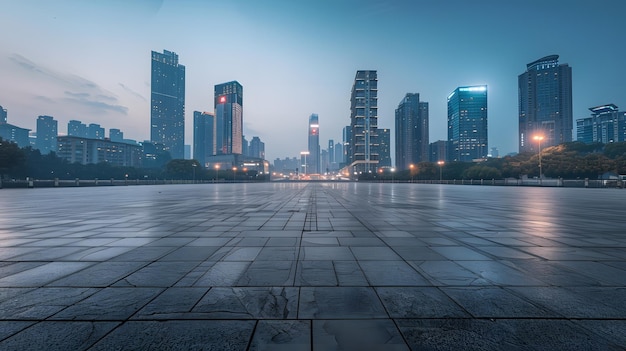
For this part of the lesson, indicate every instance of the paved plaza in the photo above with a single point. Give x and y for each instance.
(312, 266)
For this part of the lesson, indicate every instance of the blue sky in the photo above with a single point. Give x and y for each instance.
(90, 60)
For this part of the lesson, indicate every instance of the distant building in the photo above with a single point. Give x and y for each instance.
(338, 157)
(494, 152)
(384, 147)
(167, 114)
(412, 143)
(467, 123)
(331, 151)
(257, 148)
(606, 125)
(439, 151)
(15, 134)
(346, 139)
(545, 104)
(3, 115)
(286, 165)
(228, 118)
(154, 155)
(47, 132)
(203, 136)
(77, 128)
(116, 135)
(86, 151)
(364, 123)
(95, 131)
(245, 146)
(313, 158)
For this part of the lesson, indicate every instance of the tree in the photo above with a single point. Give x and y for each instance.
(182, 169)
(11, 156)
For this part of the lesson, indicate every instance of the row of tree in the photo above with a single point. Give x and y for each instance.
(575, 160)
(21, 163)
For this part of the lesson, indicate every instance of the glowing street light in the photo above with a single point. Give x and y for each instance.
(411, 168)
(193, 166)
(539, 138)
(393, 170)
(234, 173)
(217, 168)
(440, 163)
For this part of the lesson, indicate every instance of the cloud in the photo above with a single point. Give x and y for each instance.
(132, 92)
(75, 89)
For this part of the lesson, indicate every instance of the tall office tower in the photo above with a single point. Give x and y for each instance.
(412, 144)
(339, 154)
(77, 129)
(384, 148)
(467, 123)
(203, 140)
(245, 146)
(94, 131)
(229, 118)
(606, 125)
(116, 135)
(47, 132)
(257, 148)
(3, 115)
(364, 123)
(346, 139)
(167, 115)
(545, 104)
(331, 151)
(313, 159)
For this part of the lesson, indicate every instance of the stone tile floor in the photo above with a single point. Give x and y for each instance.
(317, 266)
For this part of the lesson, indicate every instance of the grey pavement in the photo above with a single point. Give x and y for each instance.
(312, 266)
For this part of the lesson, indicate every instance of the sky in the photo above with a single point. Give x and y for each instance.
(90, 60)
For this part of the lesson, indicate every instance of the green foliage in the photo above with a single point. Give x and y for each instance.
(482, 172)
(184, 169)
(11, 156)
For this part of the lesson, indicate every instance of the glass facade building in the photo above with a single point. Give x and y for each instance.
(313, 159)
(467, 123)
(228, 118)
(363, 146)
(167, 114)
(203, 136)
(411, 131)
(545, 104)
(606, 125)
(384, 147)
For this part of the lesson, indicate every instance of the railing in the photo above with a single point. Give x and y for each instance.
(49, 183)
(559, 182)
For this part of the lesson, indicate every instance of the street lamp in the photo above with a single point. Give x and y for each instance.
(440, 163)
(411, 168)
(193, 166)
(539, 138)
(234, 173)
(393, 170)
(217, 168)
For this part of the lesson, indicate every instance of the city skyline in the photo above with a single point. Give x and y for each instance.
(84, 68)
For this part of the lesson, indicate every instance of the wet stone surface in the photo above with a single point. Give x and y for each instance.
(312, 266)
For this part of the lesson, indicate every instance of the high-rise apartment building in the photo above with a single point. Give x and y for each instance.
(47, 132)
(412, 144)
(228, 118)
(338, 156)
(116, 135)
(167, 115)
(606, 125)
(364, 123)
(313, 159)
(545, 104)
(467, 123)
(76, 128)
(384, 147)
(3, 115)
(95, 131)
(203, 136)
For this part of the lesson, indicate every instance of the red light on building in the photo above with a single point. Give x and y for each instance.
(222, 99)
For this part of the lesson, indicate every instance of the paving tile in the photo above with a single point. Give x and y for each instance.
(339, 303)
(59, 336)
(357, 335)
(39, 304)
(419, 302)
(277, 335)
(249, 303)
(495, 302)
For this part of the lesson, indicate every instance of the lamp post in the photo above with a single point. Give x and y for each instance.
(440, 163)
(539, 138)
(217, 167)
(411, 168)
(193, 166)
(234, 173)
(304, 167)
(393, 170)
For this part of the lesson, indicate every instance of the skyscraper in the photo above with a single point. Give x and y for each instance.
(313, 159)
(331, 151)
(384, 147)
(545, 103)
(412, 142)
(47, 132)
(257, 148)
(229, 118)
(76, 128)
(364, 123)
(203, 136)
(167, 115)
(606, 125)
(467, 123)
